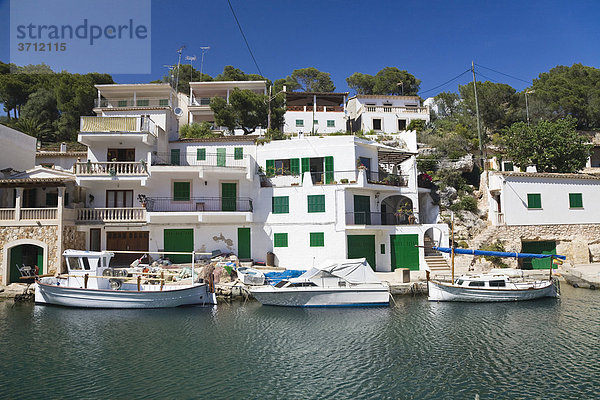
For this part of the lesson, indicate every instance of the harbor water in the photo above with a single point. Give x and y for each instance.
(544, 349)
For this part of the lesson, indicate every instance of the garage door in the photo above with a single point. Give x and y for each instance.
(179, 240)
(126, 241)
(404, 252)
(362, 246)
(546, 247)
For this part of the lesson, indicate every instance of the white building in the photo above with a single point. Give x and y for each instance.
(315, 113)
(17, 150)
(385, 114)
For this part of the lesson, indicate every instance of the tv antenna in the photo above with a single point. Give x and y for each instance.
(204, 49)
(170, 67)
(191, 59)
(178, 63)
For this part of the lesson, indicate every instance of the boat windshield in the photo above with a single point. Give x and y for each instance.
(281, 283)
(303, 284)
(78, 263)
(459, 282)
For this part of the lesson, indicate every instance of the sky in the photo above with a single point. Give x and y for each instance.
(433, 40)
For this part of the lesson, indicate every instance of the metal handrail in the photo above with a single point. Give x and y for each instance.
(199, 204)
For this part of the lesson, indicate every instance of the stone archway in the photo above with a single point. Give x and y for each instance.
(397, 210)
(23, 251)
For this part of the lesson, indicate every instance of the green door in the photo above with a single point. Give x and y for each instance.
(328, 169)
(175, 159)
(221, 157)
(244, 243)
(538, 248)
(228, 195)
(362, 210)
(25, 254)
(362, 246)
(404, 252)
(16, 258)
(179, 240)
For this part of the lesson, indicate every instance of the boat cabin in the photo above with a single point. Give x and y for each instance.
(92, 263)
(488, 281)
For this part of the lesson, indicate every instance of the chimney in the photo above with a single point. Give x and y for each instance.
(63, 147)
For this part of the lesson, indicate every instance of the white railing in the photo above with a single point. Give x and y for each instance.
(130, 214)
(137, 102)
(111, 168)
(500, 218)
(39, 213)
(7, 213)
(397, 109)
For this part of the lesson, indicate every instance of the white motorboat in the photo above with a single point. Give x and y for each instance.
(335, 283)
(91, 283)
(250, 276)
(490, 288)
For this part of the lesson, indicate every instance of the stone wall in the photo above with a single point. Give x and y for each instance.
(72, 239)
(45, 234)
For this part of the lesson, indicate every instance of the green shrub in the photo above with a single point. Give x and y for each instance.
(195, 130)
(466, 203)
(495, 246)
(427, 163)
(416, 125)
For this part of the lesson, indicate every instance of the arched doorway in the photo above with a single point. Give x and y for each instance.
(397, 210)
(24, 254)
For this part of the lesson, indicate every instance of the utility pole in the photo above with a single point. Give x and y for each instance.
(526, 104)
(481, 155)
(269, 115)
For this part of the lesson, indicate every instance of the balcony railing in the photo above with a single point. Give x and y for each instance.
(7, 214)
(130, 214)
(196, 159)
(396, 109)
(199, 204)
(386, 178)
(40, 213)
(117, 124)
(318, 109)
(130, 102)
(380, 218)
(111, 168)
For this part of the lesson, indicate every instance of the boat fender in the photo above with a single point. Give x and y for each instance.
(108, 272)
(115, 284)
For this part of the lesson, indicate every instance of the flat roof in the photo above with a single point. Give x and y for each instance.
(549, 175)
(384, 96)
(339, 96)
(126, 89)
(233, 138)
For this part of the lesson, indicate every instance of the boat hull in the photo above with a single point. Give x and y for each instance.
(322, 297)
(439, 291)
(98, 298)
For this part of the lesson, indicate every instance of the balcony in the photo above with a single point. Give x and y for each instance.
(380, 218)
(33, 216)
(199, 204)
(396, 109)
(133, 103)
(110, 215)
(386, 178)
(318, 109)
(113, 125)
(195, 159)
(111, 168)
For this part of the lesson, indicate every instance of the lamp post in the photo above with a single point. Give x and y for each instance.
(401, 84)
(527, 104)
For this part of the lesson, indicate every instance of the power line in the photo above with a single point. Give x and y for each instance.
(486, 77)
(502, 73)
(445, 83)
(244, 36)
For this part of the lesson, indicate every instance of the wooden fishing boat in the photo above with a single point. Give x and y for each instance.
(91, 283)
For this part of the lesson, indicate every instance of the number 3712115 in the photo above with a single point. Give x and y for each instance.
(42, 46)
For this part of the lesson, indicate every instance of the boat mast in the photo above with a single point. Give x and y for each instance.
(452, 246)
(481, 153)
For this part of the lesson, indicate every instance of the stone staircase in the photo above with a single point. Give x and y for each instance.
(435, 261)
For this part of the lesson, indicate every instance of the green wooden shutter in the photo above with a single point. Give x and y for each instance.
(243, 243)
(175, 160)
(40, 260)
(143, 103)
(201, 154)
(317, 239)
(270, 171)
(360, 246)
(122, 103)
(16, 258)
(328, 169)
(534, 200)
(404, 251)
(238, 153)
(179, 240)
(316, 203)
(305, 165)
(362, 210)
(295, 166)
(280, 204)
(221, 157)
(575, 200)
(228, 194)
(181, 191)
(280, 240)
(163, 102)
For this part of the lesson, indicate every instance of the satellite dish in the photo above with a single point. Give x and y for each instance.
(178, 111)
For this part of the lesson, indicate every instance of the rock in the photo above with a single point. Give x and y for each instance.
(463, 164)
(594, 252)
(448, 196)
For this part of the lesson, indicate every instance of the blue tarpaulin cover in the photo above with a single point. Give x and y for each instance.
(274, 278)
(497, 253)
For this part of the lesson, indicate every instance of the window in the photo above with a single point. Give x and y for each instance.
(175, 159)
(119, 198)
(534, 200)
(48, 165)
(163, 102)
(401, 124)
(122, 103)
(498, 283)
(477, 283)
(238, 153)
(330, 123)
(575, 200)
(508, 166)
(316, 203)
(316, 122)
(205, 101)
(382, 249)
(280, 240)
(143, 103)
(317, 239)
(51, 199)
(282, 167)
(181, 191)
(377, 124)
(281, 204)
(299, 123)
(120, 155)
(200, 154)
